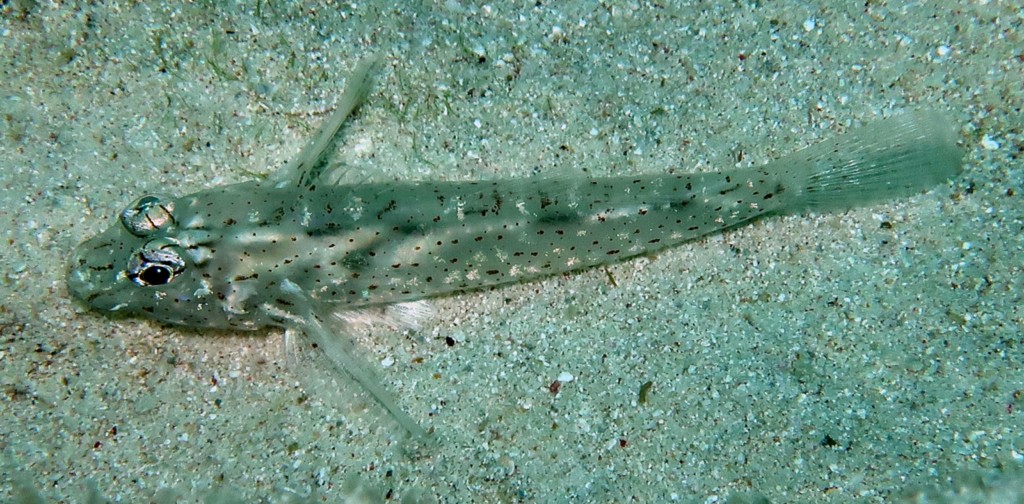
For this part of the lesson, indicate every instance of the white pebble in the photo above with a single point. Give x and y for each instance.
(363, 147)
(478, 49)
(988, 143)
(565, 377)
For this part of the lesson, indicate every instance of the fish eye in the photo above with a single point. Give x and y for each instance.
(157, 264)
(148, 214)
(154, 274)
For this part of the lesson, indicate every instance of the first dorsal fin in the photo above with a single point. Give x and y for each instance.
(306, 168)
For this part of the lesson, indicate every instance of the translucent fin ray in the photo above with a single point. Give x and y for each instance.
(306, 168)
(339, 353)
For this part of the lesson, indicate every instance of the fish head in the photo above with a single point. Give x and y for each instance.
(140, 266)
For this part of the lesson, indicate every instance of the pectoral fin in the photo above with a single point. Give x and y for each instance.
(307, 168)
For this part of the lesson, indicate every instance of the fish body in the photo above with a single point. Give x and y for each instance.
(288, 251)
(229, 252)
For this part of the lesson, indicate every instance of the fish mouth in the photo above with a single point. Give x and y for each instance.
(91, 273)
(79, 284)
(87, 285)
(80, 278)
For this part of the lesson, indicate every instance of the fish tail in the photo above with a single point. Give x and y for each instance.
(892, 158)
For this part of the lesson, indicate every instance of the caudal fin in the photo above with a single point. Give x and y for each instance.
(892, 158)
